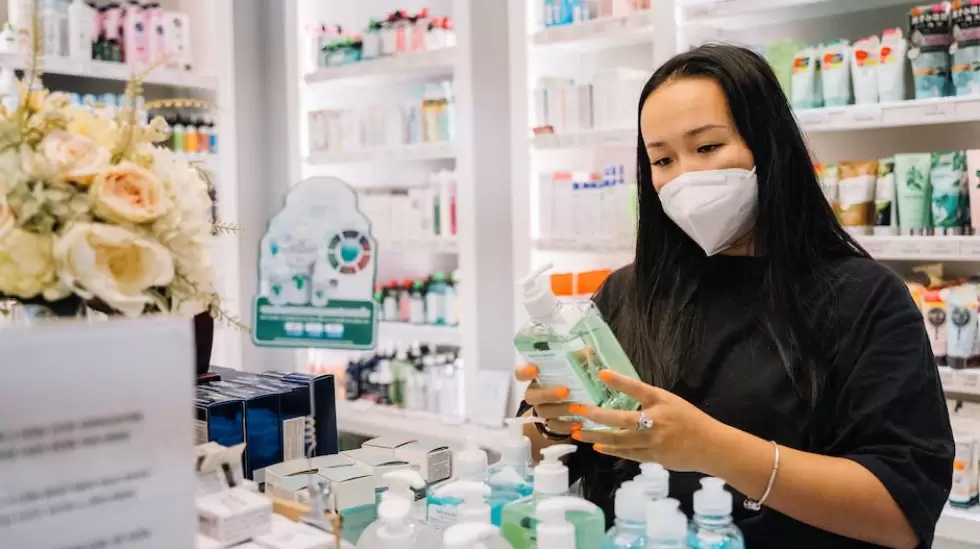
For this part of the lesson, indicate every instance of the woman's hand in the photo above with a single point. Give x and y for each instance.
(682, 437)
(547, 402)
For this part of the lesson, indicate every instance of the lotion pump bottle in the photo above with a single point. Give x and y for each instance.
(395, 523)
(629, 531)
(712, 527)
(470, 464)
(557, 530)
(655, 481)
(474, 535)
(518, 518)
(666, 525)
(510, 479)
(473, 506)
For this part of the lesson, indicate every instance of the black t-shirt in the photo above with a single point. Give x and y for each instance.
(882, 405)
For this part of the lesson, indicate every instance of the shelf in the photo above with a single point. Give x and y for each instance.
(961, 525)
(401, 153)
(741, 14)
(944, 248)
(591, 139)
(946, 110)
(369, 419)
(961, 384)
(607, 32)
(116, 72)
(404, 332)
(398, 67)
(433, 245)
(571, 246)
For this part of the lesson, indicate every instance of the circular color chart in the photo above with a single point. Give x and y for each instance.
(349, 252)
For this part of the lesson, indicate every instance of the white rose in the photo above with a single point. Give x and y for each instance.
(27, 267)
(11, 169)
(77, 158)
(127, 193)
(113, 264)
(7, 220)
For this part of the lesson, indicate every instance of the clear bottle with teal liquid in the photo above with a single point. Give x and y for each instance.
(470, 464)
(712, 527)
(510, 479)
(666, 525)
(629, 530)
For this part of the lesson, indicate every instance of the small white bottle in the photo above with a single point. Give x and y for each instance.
(629, 531)
(134, 35)
(8, 39)
(712, 527)
(655, 481)
(80, 30)
(395, 528)
(51, 28)
(20, 16)
(556, 532)
(470, 465)
(666, 526)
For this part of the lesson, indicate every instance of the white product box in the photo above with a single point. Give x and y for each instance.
(177, 37)
(286, 534)
(966, 477)
(204, 542)
(276, 474)
(377, 462)
(233, 516)
(353, 486)
(434, 461)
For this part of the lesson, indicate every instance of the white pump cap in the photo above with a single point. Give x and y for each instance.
(471, 463)
(468, 535)
(395, 531)
(516, 452)
(554, 532)
(655, 480)
(474, 495)
(665, 522)
(539, 300)
(712, 500)
(630, 502)
(551, 475)
(400, 485)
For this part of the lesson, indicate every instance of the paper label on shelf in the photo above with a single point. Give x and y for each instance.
(907, 247)
(940, 248)
(918, 112)
(970, 248)
(967, 380)
(99, 454)
(877, 247)
(317, 271)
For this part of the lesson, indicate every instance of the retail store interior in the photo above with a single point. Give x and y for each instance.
(387, 182)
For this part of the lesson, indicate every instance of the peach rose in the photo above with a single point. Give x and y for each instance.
(77, 158)
(127, 193)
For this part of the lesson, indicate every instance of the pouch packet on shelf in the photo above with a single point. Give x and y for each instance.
(934, 314)
(965, 67)
(864, 55)
(829, 176)
(835, 73)
(886, 220)
(961, 323)
(949, 192)
(892, 66)
(930, 35)
(856, 196)
(806, 88)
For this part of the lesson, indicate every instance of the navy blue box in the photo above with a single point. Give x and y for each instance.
(263, 426)
(294, 411)
(219, 418)
(323, 403)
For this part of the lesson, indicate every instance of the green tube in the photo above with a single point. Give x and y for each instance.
(912, 175)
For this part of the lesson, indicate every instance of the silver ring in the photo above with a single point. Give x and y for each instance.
(643, 422)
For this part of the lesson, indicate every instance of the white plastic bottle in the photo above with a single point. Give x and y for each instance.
(712, 527)
(470, 464)
(474, 535)
(666, 526)
(20, 15)
(51, 28)
(629, 531)
(510, 478)
(395, 528)
(472, 507)
(8, 39)
(80, 30)
(550, 481)
(555, 531)
(655, 481)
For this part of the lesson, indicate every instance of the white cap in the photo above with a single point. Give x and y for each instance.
(554, 532)
(467, 535)
(400, 485)
(539, 300)
(712, 500)
(516, 452)
(630, 501)
(474, 495)
(551, 475)
(655, 480)
(471, 462)
(396, 530)
(665, 522)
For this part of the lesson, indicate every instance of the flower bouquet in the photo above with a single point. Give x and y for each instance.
(93, 213)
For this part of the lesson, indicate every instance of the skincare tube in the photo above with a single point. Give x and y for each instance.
(912, 172)
(961, 323)
(885, 218)
(948, 179)
(806, 83)
(934, 314)
(892, 66)
(835, 73)
(973, 180)
(864, 69)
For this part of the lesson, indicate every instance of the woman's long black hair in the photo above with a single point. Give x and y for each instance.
(796, 231)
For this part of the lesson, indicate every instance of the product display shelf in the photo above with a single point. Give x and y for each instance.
(120, 72)
(961, 384)
(431, 245)
(959, 525)
(449, 336)
(398, 67)
(741, 14)
(401, 153)
(606, 32)
(585, 140)
(369, 419)
(924, 112)
(583, 247)
(944, 248)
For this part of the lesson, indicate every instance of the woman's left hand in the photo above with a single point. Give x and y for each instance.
(682, 438)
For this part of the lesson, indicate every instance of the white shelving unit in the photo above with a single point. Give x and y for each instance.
(404, 153)
(605, 32)
(115, 72)
(449, 336)
(367, 419)
(408, 66)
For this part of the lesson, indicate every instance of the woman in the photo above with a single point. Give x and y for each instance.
(776, 354)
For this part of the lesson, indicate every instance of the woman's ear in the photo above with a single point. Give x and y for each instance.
(203, 341)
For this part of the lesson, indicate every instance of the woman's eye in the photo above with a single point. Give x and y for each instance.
(661, 162)
(708, 148)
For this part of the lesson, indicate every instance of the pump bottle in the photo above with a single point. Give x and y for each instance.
(655, 481)
(395, 528)
(666, 526)
(470, 465)
(629, 531)
(510, 479)
(474, 535)
(473, 507)
(569, 523)
(712, 527)
(570, 344)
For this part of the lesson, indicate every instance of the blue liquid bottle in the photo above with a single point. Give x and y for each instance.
(713, 527)
(666, 526)
(629, 530)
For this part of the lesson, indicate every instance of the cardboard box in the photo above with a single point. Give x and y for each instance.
(263, 427)
(323, 407)
(377, 462)
(432, 460)
(286, 534)
(219, 418)
(233, 516)
(279, 472)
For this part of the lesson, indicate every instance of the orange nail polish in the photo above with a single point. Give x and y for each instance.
(597, 447)
(561, 392)
(576, 427)
(578, 410)
(576, 435)
(605, 375)
(531, 371)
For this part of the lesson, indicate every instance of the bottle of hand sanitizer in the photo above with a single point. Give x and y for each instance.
(474, 535)
(509, 478)
(395, 521)
(569, 523)
(473, 507)
(655, 481)
(470, 464)
(517, 519)
(712, 527)
(570, 344)
(666, 525)
(629, 531)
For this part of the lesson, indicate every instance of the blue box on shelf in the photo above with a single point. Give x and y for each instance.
(263, 427)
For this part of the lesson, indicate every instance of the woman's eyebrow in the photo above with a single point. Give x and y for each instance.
(689, 133)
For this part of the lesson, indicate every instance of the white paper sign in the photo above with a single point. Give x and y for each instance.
(95, 436)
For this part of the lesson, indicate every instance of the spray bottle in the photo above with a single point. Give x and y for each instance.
(655, 481)
(510, 479)
(666, 525)
(517, 518)
(629, 531)
(470, 465)
(569, 523)
(712, 527)
(395, 528)
(474, 535)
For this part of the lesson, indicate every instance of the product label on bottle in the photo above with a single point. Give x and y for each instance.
(441, 517)
(556, 369)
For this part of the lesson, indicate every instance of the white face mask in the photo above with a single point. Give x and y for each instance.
(714, 207)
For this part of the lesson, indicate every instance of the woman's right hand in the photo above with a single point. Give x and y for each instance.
(548, 403)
